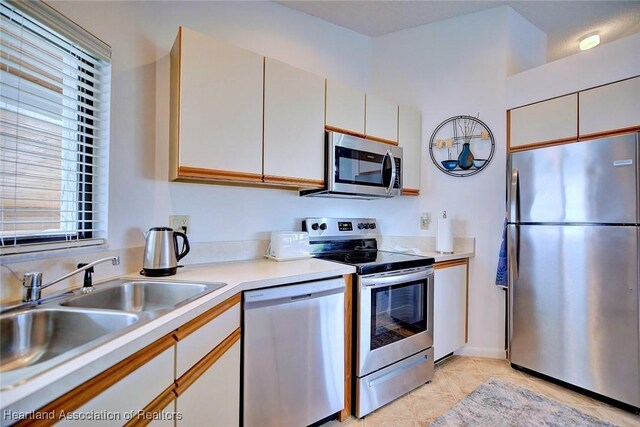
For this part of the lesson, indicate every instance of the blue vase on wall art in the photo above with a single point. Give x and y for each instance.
(465, 159)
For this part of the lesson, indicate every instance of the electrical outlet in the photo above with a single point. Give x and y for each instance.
(180, 223)
(425, 220)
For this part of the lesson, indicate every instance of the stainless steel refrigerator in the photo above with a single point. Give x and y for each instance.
(573, 238)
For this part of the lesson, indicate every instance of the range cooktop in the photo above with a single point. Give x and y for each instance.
(353, 241)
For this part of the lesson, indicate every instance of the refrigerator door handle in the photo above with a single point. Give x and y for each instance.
(513, 266)
(514, 211)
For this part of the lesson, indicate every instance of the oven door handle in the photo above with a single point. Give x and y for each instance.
(380, 281)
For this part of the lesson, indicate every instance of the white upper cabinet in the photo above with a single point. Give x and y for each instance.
(612, 107)
(217, 102)
(293, 125)
(381, 119)
(410, 139)
(345, 108)
(553, 120)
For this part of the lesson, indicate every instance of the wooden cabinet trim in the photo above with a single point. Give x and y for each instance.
(175, 89)
(296, 182)
(543, 144)
(508, 131)
(466, 317)
(382, 140)
(614, 132)
(345, 131)
(410, 192)
(360, 135)
(145, 417)
(572, 140)
(451, 263)
(187, 329)
(96, 385)
(189, 377)
(348, 345)
(215, 174)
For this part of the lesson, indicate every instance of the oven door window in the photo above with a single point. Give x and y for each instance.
(397, 312)
(362, 168)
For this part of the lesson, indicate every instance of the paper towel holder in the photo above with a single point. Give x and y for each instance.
(445, 248)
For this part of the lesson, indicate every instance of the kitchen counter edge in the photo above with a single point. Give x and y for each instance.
(237, 275)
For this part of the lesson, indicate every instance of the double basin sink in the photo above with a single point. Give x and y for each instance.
(66, 327)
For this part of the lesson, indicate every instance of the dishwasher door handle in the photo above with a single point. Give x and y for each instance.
(292, 293)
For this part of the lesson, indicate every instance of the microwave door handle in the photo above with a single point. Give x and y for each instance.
(394, 172)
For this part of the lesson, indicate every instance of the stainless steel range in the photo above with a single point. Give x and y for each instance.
(393, 310)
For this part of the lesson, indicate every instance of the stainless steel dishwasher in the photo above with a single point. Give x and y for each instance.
(293, 353)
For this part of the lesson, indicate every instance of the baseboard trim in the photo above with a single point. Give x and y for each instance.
(493, 353)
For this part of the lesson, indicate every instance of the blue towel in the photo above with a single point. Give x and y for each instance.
(502, 274)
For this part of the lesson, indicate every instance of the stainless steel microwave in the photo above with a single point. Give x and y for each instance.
(357, 168)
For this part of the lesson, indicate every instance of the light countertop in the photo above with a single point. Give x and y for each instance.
(238, 276)
(41, 388)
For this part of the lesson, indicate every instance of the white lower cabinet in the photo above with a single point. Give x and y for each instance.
(189, 377)
(126, 397)
(208, 368)
(214, 397)
(450, 307)
(167, 416)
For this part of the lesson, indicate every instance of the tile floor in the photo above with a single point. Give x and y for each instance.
(458, 376)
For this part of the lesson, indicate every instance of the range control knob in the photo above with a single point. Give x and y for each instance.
(360, 226)
(323, 226)
(366, 226)
(314, 226)
(372, 226)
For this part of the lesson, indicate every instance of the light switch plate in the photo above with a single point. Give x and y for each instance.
(180, 223)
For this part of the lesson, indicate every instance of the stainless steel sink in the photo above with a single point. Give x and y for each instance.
(141, 295)
(30, 337)
(36, 338)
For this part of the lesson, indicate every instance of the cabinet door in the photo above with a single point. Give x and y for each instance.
(345, 108)
(410, 139)
(214, 398)
(219, 110)
(554, 120)
(166, 417)
(132, 393)
(200, 336)
(381, 119)
(612, 107)
(293, 125)
(450, 308)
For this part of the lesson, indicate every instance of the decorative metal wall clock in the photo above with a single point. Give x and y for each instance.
(462, 146)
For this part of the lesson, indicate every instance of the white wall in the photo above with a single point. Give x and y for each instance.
(603, 64)
(450, 68)
(527, 44)
(141, 35)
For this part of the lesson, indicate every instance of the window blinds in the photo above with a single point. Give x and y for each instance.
(54, 103)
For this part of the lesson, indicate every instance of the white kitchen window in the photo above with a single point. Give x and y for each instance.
(54, 129)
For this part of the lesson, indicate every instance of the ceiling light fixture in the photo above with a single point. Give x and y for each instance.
(587, 42)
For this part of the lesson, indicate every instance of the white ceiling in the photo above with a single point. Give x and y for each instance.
(563, 21)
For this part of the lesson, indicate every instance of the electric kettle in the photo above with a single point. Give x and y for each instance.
(161, 254)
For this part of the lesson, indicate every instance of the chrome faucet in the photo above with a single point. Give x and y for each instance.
(32, 281)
